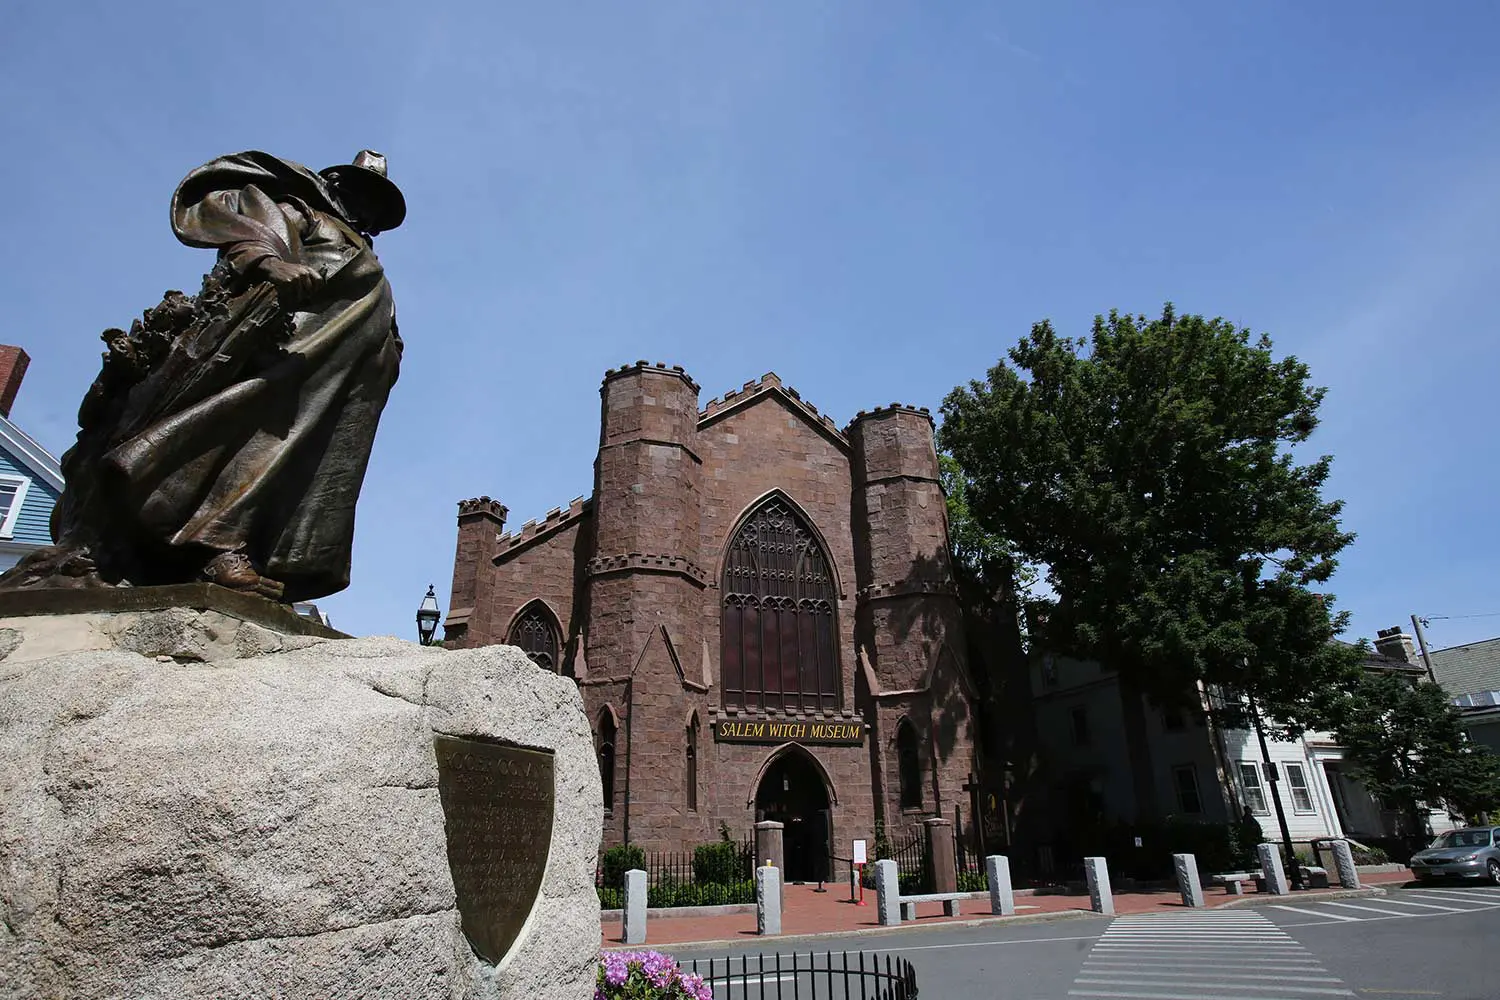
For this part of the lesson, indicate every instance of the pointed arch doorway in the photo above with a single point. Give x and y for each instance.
(794, 793)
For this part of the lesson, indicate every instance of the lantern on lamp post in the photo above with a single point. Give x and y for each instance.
(427, 617)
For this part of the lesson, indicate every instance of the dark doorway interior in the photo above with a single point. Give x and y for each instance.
(792, 793)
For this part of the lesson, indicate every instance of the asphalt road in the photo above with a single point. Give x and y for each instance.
(1414, 943)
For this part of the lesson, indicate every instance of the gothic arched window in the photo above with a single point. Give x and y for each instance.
(778, 636)
(692, 764)
(909, 764)
(606, 750)
(536, 632)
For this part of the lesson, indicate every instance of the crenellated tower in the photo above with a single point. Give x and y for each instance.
(480, 522)
(644, 580)
(908, 625)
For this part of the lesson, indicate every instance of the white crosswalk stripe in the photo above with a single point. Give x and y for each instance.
(1223, 955)
(1395, 905)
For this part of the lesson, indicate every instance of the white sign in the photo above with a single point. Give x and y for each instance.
(1138, 842)
(859, 852)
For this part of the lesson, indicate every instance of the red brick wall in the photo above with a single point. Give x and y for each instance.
(13, 364)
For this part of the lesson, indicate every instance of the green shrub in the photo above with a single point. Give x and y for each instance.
(1371, 856)
(720, 862)
(617, 861)
(611, 899)
(700, 894)
(972, 882)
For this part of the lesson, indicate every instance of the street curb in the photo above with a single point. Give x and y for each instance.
(1266, 899)
(903, 927)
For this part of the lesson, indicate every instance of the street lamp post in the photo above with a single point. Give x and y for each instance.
(427, 617)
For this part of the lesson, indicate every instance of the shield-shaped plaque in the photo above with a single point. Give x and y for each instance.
(497, 813)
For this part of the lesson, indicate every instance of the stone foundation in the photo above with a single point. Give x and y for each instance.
(193, 805)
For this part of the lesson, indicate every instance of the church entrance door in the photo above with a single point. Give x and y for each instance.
(793, 794)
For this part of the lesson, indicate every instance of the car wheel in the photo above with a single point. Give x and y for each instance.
(1494, 870)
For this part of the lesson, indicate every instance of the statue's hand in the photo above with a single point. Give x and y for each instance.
(295, 282)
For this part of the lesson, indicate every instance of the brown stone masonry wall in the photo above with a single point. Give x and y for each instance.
(480, 522)
(546, 567)
(768, 444)
(635, 570)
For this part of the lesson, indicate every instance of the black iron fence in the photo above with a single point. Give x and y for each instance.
(909, 850)
(682, 878)
(968, 856)
(842, 976)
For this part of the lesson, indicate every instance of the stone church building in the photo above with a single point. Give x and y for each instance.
(758, 609)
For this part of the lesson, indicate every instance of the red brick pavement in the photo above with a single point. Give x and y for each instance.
(808, 912)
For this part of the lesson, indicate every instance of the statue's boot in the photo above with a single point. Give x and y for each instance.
(235, 571)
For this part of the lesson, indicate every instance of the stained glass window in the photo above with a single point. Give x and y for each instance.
(779, 627)
(536, 631)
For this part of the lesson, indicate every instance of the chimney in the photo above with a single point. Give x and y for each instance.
(13, 362)
(1396, 644)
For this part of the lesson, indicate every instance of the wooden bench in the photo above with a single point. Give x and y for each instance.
(948, 899)
(1233, 882)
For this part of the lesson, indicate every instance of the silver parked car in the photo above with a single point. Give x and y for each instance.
(1473, 852)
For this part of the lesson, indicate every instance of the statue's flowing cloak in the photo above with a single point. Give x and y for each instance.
(273, 463)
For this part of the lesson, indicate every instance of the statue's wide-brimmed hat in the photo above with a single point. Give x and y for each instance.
(366, 177)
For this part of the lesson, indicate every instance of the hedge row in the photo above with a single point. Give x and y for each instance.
(685, 894)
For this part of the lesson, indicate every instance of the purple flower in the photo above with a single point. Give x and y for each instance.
(658, 968)
(660, 973)
(616, 969)
(695, 988)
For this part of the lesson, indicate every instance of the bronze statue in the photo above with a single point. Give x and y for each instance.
(227, 435)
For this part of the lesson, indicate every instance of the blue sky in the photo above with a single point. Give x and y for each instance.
(873, 199)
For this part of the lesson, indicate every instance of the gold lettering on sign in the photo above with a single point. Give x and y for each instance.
(783, 731)
(497, 811)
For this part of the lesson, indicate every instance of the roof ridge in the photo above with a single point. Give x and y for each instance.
(1464, 645)
(32, 453)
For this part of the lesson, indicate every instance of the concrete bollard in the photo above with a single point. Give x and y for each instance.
(1343, 862)
(1187, 879)
(770, 848)
(767, 900)
(997, 874)
(1100, 896)
(887, 893)
(634, 914)
(1270, 866)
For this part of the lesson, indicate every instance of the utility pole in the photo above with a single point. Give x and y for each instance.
(1416, 625)
(1294, 870)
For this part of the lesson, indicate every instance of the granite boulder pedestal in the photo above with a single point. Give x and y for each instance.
(196, 804)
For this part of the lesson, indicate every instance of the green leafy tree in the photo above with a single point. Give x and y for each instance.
(1406, 743)
(1148, 469)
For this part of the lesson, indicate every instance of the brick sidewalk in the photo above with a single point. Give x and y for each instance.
(808, 912)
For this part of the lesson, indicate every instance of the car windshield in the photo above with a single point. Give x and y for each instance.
(1463, 838)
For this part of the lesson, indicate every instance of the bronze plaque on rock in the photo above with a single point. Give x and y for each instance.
(497, 813)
